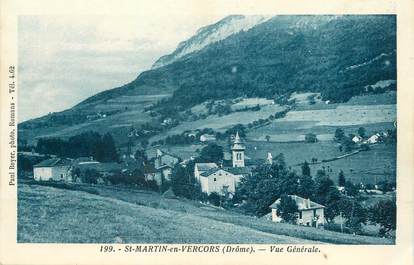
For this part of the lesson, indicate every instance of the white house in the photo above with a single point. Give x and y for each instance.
(207, 138)
(220, 181)
(373, 139)
(57, 169)
(223, 181)
(309, 213)
(356, 139)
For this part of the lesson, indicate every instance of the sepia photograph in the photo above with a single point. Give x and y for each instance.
(236, 129)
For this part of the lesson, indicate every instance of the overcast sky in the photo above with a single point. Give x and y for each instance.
(63, 60)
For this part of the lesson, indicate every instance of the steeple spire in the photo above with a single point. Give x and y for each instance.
(238, 151)
(237, 138)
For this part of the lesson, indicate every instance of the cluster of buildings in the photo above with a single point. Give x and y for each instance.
(222, 178)
(373, 139)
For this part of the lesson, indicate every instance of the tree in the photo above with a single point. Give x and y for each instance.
(214, 198)
(265, 185)
(140, 156)
(109, 150)
(311, 138)
(341, 179)
(306, 186)
(287, 209)
(339, 135)
(347, 143)
(306, 171)
(212, 153)
(267, 138)
(361, 132)
(384, 213)
(351, 189)
(323, 186)
(183, 182)
(91, 176)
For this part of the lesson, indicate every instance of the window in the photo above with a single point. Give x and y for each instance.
(61, 176)
(300, 214)
(215, 179)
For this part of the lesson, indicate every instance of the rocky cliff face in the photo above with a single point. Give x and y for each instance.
(210, 34)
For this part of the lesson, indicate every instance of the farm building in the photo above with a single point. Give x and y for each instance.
(309, 213)
(57, 169)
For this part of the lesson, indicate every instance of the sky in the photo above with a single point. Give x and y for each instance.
(64, 60)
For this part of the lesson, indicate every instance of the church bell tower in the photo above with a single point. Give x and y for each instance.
(238, 152)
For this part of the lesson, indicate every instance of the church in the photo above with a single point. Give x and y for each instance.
(223, 180)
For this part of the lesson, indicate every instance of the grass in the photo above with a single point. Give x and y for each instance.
(124, 215)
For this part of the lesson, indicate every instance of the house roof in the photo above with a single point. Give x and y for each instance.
(101, 167)
(302, 203)
(163, 166)
(209, 172)
(54, 162)
(81, 160)
(238, 170)
(205, 166)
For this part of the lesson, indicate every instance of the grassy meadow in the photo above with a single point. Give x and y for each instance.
(126, 215)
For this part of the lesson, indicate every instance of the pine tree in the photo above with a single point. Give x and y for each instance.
(341, 179)
(109, 150)
(306, 171)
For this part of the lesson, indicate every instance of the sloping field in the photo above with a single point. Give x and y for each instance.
(346, 115)
(221, 123)
(379, 163)
(123, 215)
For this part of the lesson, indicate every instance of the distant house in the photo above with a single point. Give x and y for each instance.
(357, 139)
(166, 172)
(373, 139)
(152, 174)
(309, 213)
(57, 169)
(164, 158)
(207, 138)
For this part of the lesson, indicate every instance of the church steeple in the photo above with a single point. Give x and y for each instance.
(238, 152)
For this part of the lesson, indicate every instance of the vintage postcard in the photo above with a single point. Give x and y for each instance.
(216, 132)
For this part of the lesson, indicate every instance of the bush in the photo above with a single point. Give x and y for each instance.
(214, 198)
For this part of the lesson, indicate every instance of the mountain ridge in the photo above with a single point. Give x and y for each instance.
(282, 55)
